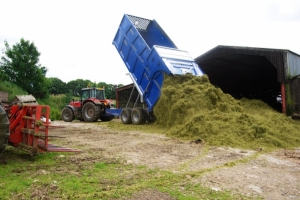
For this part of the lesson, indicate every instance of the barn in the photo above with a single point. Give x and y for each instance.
(271, 75)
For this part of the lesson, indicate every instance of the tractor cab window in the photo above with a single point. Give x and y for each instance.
(93, 93)
(85, 94)
(100, 94)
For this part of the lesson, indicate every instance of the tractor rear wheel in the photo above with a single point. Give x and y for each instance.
(4, 129)
(67, 114)
(139, 115)
(126, 116)
(90, 112)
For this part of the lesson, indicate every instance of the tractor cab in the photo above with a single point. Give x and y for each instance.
(96, 93)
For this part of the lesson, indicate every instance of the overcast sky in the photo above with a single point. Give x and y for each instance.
(75, 37)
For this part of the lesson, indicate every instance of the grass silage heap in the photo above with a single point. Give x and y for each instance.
(191, 107)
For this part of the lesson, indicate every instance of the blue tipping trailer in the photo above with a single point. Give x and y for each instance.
(149, 54)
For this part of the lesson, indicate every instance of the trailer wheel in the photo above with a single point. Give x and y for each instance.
(126, 116)
(67, 114)
(4, 129)
(90, 112)
(138, 115)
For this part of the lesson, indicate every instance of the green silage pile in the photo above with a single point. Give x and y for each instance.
(191, 107)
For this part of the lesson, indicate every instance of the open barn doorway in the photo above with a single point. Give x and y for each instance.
(243, 73)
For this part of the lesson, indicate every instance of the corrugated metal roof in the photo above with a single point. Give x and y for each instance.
(249, 71)
(24, 99)
(278, 57)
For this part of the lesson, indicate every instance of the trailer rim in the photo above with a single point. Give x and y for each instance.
(126, 116)
(138, 115)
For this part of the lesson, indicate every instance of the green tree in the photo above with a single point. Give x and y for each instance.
(76, 85)
(20, 65)
(56, 86)
(110, 89)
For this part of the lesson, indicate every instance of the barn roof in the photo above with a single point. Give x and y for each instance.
(237, 60)
(249, 71)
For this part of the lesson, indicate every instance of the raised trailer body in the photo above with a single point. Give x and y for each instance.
(149, 54)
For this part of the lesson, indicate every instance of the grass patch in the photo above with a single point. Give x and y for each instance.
(89, 177)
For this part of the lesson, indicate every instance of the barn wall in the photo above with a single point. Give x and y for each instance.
(293, 97)
(123, 96)
(293, 65)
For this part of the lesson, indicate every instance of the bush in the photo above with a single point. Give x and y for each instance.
(12, 89)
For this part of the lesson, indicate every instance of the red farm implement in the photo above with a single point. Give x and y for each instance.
(27, 130)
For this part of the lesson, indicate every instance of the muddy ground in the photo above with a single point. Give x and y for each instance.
(273, 175)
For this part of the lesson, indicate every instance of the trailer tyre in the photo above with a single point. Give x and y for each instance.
(126, 116)
(4, 129)
(67, 114)
(139, 115)
(90, 112)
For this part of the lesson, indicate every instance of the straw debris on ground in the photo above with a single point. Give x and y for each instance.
(191, 107)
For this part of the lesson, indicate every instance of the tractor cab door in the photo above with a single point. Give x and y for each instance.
(93, 93)
(85, 94)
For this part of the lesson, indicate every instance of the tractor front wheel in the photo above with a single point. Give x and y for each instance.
(139, 115)
(90, 112)
(4, 129)
(126, 116)
(67, 114)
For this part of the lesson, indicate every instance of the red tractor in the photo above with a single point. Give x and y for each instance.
(91, 106)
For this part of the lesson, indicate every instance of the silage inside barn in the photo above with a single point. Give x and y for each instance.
(191, 107)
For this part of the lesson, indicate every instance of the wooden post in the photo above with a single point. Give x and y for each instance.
(283, 98)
